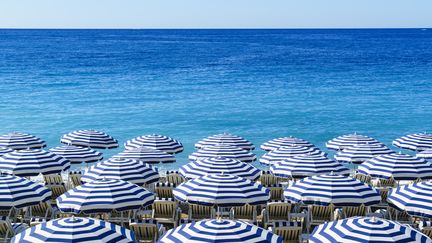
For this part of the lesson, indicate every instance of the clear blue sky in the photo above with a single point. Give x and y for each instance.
(214, 13)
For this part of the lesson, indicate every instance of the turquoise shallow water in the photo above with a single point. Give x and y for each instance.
(260, 84)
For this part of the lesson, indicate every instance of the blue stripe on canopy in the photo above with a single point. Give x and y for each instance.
(349, 140)
(18, 192)
(366, 229)
(154, 141)
(397, 165)
(5, 150)
(32, 162)
(308, 165)
(147, 155)
(222, 190)
(426, 154)
(219, 231)
(222, 150)
(283, 153)
(77, 155)
(75, 229)
(416, 141)
(219, 165)
(361, 152)
(103, 196)
(415, 199)
(122, 169)
(90, 138)
(285, 141)
(332, 189)
(19, 140)
(227, 139)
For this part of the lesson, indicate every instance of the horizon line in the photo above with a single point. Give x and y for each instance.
(211, 28)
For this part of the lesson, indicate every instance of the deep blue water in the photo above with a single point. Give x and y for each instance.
(260, 84)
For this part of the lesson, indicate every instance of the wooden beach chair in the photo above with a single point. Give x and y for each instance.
(36, 221)
(118, 217)
(245, 213)
(275, 211)
(300, 218)
(267, 178)
(57, 189)
(164, 189)
(320, 214)
(174, 177)
(383, 203)
(348, 212)
(400, 216)
(166, 211)
(43, 210)
(363, 178)
(53, 178)
(75, 178)
(291, 232)
(9, 229)
(10, 214)
(199, 212)
(426, 228)
(147, 230)
(386, 183)
(276, 192)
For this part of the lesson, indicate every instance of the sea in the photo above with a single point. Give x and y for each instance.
(314, 84)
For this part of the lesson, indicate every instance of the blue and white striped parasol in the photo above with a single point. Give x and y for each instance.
(103, 196)
(5, 150)
(75, 229)
(218, 231)
(147, 155)
(425, 154)
(222, 190)
(332, 189)
(225, 138)
(359, 153)
(415, 199)
(416, 141)
(397, 165)
(366, 229)
(89, 138)
(122, 169)
(77, 155)
(349, 140)
(154, 141)
(283, 153)
(19, 140)
(219, 165)
(17, 192)
(308, 165)
(283, 142)
(32, 162)
(222, 150)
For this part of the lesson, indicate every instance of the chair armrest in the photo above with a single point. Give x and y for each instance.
(231, 213)
(264, 215)
(338, 214)
(190, 213)
(161, 231)
(177, 214)
(213, 213)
